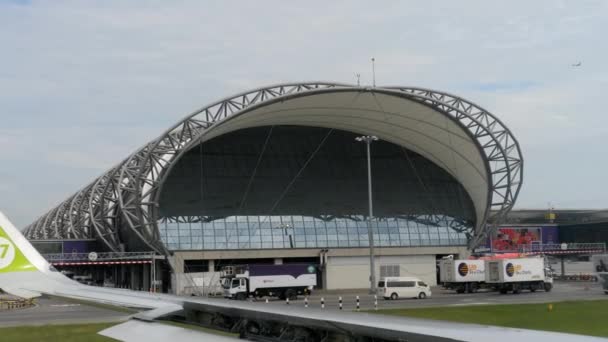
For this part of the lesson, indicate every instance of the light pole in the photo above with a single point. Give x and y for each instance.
(368, 139)
(285, 227)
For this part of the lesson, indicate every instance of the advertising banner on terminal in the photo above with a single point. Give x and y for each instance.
(516, 238)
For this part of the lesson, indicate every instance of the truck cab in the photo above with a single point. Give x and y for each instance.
(235, 288)
(234, 282)
(600, 267)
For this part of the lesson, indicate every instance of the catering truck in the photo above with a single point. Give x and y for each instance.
(600, 267)
(515, 275)
(462, 275)
(282, 281)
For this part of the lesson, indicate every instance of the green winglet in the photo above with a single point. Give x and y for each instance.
(11, 258)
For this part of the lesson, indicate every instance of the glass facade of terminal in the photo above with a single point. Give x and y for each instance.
(272, 232)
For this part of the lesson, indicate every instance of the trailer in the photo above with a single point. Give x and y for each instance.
(600, 267)
(462, 275)
(282, 281)
(515, 275)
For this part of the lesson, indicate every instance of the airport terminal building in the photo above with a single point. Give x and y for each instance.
(277, 175)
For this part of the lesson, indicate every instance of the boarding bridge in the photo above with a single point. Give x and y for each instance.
(563, 248)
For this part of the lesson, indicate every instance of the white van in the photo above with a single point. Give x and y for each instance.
(403, 287)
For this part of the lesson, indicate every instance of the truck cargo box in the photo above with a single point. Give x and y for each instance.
(600, 263)
(287, 275)
(515, 270)
(458, 271)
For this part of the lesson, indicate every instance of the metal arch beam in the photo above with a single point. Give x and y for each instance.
(27, 231)
(39, 230)
(70, 219)
(503, 153)
(189, 219)
(130, 198)
(144, 167)
(48, 225)
(30, 230)
(455, 114)
(33, 230)
(73, 211)
(54, 220)
(437, 220)
(133, 191)
(102, 208)
(149, 164)
(511, 152)
(62, 217)
(79, 222)
(75, 217)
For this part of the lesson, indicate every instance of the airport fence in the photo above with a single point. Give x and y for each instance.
(555, 248)
(577, 277)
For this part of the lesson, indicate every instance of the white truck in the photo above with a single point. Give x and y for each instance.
(600, 267)
(462, 275)
(515, 275)
(282, 281)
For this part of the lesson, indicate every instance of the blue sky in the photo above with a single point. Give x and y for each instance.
(84, 83)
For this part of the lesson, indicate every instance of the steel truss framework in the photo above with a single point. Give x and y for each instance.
(127, 195)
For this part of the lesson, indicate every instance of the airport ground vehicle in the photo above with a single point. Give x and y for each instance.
(462, 275)
(403, 287)
(282, 281)
(84, 279)
(600, 266)
(604, 279)
(515, 275)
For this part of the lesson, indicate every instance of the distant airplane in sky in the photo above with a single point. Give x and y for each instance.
(577, 64)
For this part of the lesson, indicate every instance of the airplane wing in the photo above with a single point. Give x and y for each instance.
(24, 272)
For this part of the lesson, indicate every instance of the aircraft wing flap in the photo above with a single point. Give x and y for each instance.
(23, 293)
(151, 315)
(391, 328)
(136, 331)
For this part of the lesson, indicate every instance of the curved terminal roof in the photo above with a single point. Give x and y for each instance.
(466, 141)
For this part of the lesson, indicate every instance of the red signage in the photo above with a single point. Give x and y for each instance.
(509, 239)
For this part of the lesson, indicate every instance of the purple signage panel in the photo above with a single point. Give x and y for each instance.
(550, 235)
(75, 247)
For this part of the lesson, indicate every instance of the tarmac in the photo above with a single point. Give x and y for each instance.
(59, 311)
(562, 291)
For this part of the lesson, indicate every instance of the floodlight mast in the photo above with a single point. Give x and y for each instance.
(374, 73)
(368, 139)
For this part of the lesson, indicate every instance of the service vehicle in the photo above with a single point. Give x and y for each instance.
(282, 281)
(519, 274)
(600, 267)
(462, 275)
(84, 279)
(403, 287)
